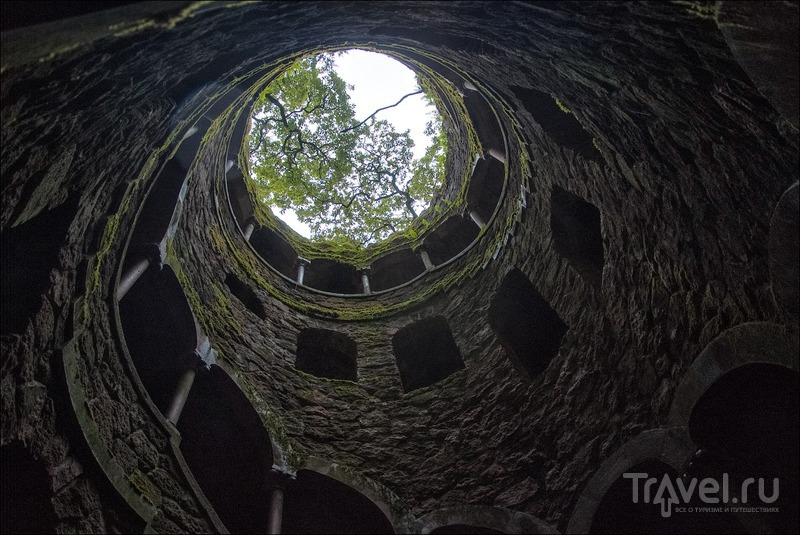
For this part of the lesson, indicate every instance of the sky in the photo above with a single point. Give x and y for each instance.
(379, 81)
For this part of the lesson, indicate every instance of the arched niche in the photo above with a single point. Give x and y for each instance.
(525, 323)
(228, 450)
(395, 269)
(742, 428)
(480, 519)
(617, 512)
(25, 492)
(557, 122)
(317, 503)
(239, 196)
(245, 295)
(484, 121)
(577, 236)
(426, 353)
(275, 251)
(669, 447)
(756, 342)
(450, 238)
(485, 186)
(332, 276)
(159, 332)
(156, 213)
(765, 44)
(328, 354)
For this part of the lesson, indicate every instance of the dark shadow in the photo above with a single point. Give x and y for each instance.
(485, 186)
(562, 126)
(426, 353)
(159, 332)
(617, 513)
(395, 269)
(332, 276)
(239, 196)
(527, 327)
(275, 251)
(30, 252)
(328, 354)
(746, 426)
(464, 529)
(228, 451)
(575, 225)
(450, 238)
(243, 293)
(25, 493)
(315, 503)
(156, 213)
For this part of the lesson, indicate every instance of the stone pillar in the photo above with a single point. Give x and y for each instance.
(476, 218)
(426, 259)
(498, 154)
(302, 264)
(131, 276)
(277, 484)
(190, 132)
(365, 280)
(248, 231)
(181, 394)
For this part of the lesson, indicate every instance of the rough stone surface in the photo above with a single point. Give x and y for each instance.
(694, 160)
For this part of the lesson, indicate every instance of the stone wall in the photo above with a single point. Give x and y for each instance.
(690, 162)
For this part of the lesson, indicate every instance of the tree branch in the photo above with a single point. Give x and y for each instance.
(281, 109)
(373, 114)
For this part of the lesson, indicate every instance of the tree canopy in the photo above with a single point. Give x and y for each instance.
(346, 179)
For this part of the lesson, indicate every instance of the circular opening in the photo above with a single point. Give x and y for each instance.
(347, 147)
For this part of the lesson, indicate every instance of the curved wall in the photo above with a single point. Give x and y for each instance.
(687, 161)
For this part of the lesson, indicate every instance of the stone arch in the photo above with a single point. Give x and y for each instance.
(159, 332)
(739, 425)
(672, 447)
(368, 497)
(618, 513)
(228, 450)
(784, 242)
(481, 519)
(756, 342)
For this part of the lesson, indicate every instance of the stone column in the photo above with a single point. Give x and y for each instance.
(130, 277)
(302, 264)
(190, 132)
(426, 259)
(146, 255)
(277, 483)
(365, 280)
(498, 154)
(248, 231)
(181, 394)
(476, 218)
